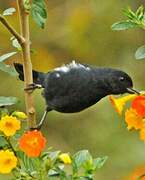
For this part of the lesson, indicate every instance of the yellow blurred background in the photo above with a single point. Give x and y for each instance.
(80, 30)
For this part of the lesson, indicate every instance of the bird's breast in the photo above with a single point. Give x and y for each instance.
(71, 91)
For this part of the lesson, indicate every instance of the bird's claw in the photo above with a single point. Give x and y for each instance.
(35, 128)
(38, 126)
(32, 87)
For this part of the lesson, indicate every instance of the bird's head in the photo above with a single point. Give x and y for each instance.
(119, 82)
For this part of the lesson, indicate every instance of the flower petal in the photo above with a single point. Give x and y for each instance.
(133, 119)
(119, 103)
(8, 161)
(65, 158)
(32, 143)
(9, 125)
(139, 105)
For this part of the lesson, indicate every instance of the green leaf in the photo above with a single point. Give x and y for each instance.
(54, 155)
(7, 101)
(27, 4)
(123, 25)
(140, 53)
(3, 111)
(6, 56)
(15, 43)
(39, 12)
(3, 142)
(8, 69)
(99, 162)
(53, 172)
(9, 11)
(140, 12)
(82, 159)
(129, 13)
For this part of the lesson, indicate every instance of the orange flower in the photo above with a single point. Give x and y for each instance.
(32, 143)
(138, 173)
(139, 105)
(119, 103)
(142, 134)
(133, 119)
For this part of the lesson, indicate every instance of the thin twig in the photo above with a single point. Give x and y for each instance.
(9, 27)
(27, 65)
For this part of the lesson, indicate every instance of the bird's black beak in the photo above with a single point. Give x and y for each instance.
(132, 91)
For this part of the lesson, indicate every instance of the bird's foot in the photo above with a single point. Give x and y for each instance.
(37, 127)
(32, 87)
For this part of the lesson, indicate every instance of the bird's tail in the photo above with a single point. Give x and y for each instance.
(38, 77)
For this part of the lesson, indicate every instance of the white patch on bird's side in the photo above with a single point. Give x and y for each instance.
(73, 64)
(66, 68)
(87, 68)
(57, 75)
(62, 69)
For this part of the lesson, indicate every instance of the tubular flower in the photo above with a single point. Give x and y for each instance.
(139, 105)
(133, 119)
(65, 158)
(32, 143)
(8, 161)
(9, 125)
(142, 134)
(119, 103)
(138, 173)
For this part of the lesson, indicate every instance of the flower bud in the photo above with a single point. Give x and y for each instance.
(65, 158)
(19, 114)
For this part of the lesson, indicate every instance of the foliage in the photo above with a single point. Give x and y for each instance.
(39, 12)
(41, 165)
(9, 11)
(7, 101)
(134, 20)
(22, 150)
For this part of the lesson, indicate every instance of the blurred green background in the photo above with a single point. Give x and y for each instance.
(80, 30)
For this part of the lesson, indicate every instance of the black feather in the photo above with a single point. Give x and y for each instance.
(38, 77)
(74, 87)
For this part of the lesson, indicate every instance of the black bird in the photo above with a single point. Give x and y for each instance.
(75, 87)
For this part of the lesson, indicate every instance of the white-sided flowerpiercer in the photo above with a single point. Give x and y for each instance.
(74, 87)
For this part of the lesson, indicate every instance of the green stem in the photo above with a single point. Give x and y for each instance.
(10, 145)
(12, 148)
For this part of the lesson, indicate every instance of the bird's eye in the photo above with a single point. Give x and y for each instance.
(121, 78)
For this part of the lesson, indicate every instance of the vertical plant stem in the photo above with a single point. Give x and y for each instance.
(12, 148)
(27, 65)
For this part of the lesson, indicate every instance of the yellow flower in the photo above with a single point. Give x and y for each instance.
(142, 92)
(119, 103)
(65, 158)
(8, 161)
(19, 114)
(133, 119)
(9, 125)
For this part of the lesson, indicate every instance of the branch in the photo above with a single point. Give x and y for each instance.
(20, 39)
(27, 65)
